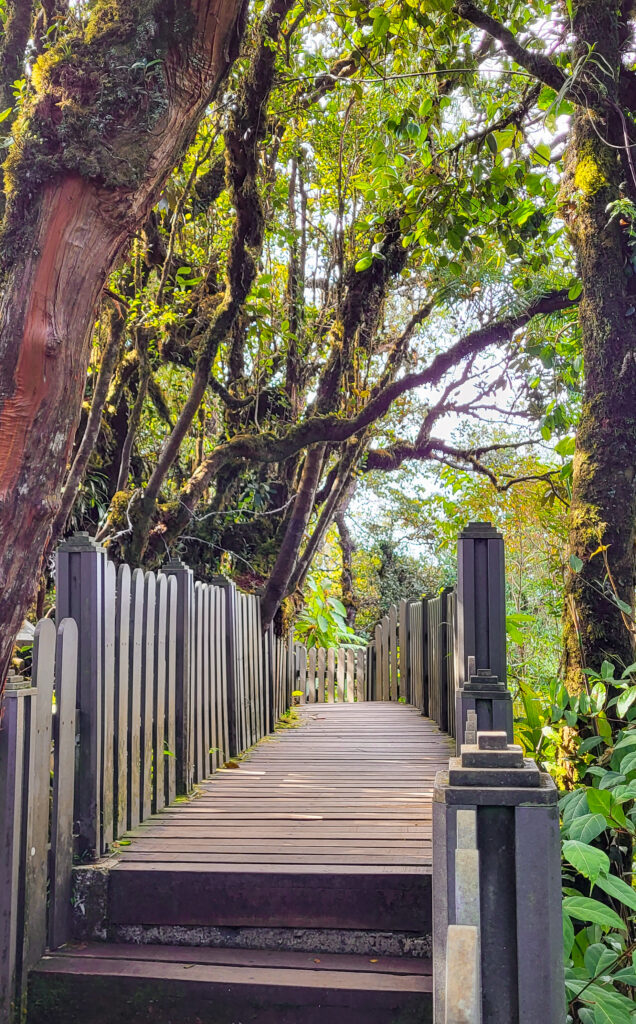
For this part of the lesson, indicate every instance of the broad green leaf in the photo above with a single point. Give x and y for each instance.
(626, 699)
(587, 827)
(568, 937)
(591, 911)
(576, 563)
(589, 861)
(618, 889)
(599, 801)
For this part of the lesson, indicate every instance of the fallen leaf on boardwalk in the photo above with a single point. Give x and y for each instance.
(316, 961)
(231, 764)
(373, 961)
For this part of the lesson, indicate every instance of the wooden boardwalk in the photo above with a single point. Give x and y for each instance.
(324, 828)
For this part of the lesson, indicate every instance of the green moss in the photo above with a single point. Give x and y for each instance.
(96, 98)
(588, 177)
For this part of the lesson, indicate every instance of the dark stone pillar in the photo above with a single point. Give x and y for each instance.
(519, 881)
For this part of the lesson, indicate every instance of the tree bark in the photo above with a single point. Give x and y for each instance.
(71, 208)
(604, 480)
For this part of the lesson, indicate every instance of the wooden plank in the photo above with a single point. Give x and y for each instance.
(339, 693)
(134, 697)
(310, 686)
(377, 694)
(14, 759)
(360, 688)
(147, 694)
(197, 685)
(159, 694)
(39, 791)
(386, 660)
(109, 602)
(320, 670)
(206, 714)
(350, 674)
(301, 683)
(122, 671)
(331, 672)
(61, 861)
(404, 684)
(170, 774)
(394, 686)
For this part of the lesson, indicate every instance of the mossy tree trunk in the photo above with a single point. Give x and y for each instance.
(603, 503)
(114, 107)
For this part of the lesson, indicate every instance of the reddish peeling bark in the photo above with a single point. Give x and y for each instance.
(71, 232)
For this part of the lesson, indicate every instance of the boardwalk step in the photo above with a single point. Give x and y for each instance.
(379, 898)
(115, 984)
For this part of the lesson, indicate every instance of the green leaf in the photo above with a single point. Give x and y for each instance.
(364, 262)
(587, 860)
(5, 113)
(491, 142)
(568, 937)
(587, 827)
(590, 743)
(583, 908)
(575, 563)
(626, 699)
(575, 290)
(628, 764)
(619, 889)
(599, 801)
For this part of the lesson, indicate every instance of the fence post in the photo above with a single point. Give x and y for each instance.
(81, 566)
(426, 694)
(229, 593)
(519, 880)
(184, 738)
(14, 759)
(481, 631)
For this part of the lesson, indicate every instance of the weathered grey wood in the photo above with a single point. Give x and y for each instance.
(159, 694)
(302, 671)
(394, 689)
(320, 670)
(311, 691)
(184, 742)
(230, 667)
(241, 723)
(349, 673)
(197, 688)
(222, 649)
(14, 735)
(207, 683)
(39, 742)
(122, 671)
(135, 652)
(386, 660)
(211, 638)
(404, 666)
(171, 676)
(331, 672)
(61, 861)
(79, 595)
(340, 674)
(107, 771)
(360, 688)
(147, 694)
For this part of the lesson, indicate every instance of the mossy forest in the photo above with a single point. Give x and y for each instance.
(293, 291)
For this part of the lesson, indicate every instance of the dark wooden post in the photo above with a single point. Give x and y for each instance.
(481, 600)
(81, 567)
(229, 591)
(515, 883)
(184, 738)
(426, 696)
(481, 631)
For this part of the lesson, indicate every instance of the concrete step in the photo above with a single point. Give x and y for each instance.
(123, 984)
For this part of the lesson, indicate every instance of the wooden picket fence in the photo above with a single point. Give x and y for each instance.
(37, 772)
(166, 679)
(414, 657)
(332, 674)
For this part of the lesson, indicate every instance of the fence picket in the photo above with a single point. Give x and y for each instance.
(147, 693)
(170, 774)
(134, 697)
(120, 711)
(159, 695)
(339, 693)
(61, 861)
